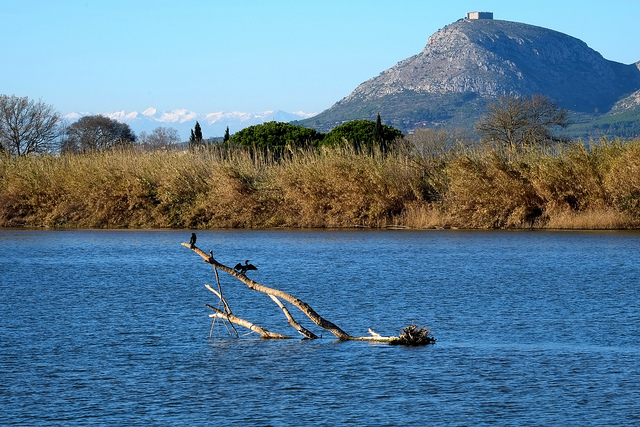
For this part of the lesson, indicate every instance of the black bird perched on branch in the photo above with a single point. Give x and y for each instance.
(192, 241)
(242, 269)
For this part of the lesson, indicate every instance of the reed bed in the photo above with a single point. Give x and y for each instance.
(570, 187)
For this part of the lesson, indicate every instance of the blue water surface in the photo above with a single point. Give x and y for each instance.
(110, 328)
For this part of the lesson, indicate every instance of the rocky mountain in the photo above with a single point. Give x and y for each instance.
(472, 61)
(213, 124)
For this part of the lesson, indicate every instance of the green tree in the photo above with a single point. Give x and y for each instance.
(198, 132)
(521, 121)
(362, 134)
(196, 136)
(28, 127)
(227, 137)
(276, 135)
(378, 135)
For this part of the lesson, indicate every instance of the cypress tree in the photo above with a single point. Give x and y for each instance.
(198, 133)
(378, 134)
(227, 137)
(192, 140)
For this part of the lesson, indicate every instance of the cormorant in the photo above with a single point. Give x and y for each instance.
(242, 269)
(192, 242)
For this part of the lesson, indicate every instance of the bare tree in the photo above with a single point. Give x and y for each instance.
(434, 144)
(93, 133)
(160, 138)
(411, 335)
(520, 121)
(27, 127)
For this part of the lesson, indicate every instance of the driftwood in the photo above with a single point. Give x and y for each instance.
(413, 337)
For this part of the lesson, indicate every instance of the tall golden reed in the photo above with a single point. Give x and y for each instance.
(460, 186)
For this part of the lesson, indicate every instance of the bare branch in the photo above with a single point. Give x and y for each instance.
(307, 333)
(27, 127)
(301, 305)
(264, 333)
(411, 335)
(520, 121)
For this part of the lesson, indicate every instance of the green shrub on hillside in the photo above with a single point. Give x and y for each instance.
(276, 135)
(361, 134)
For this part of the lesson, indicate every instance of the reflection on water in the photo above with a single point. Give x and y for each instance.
(110, 327)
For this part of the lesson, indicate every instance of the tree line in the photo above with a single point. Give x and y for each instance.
(360, 134)
(33, 127)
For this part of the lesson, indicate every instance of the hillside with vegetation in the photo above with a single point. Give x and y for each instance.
(470, 63)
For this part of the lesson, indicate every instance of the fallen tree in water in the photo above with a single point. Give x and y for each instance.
(412, 335)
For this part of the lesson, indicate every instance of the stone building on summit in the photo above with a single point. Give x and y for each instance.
(479, 15)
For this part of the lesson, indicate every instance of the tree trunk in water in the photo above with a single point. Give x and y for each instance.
(276, 295)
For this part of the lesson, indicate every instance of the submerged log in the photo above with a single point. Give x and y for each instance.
(238, 321)
(276, 295)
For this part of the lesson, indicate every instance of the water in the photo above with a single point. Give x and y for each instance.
(110, 328)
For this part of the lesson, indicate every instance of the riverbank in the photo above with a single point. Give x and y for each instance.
(568, 188)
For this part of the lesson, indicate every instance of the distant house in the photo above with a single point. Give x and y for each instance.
(479, 15)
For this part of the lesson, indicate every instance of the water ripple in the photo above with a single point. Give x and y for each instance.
(109, 327)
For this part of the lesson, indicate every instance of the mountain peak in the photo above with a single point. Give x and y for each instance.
(471, 61)
(494, 57)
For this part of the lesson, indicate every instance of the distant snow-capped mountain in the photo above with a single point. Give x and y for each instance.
(212, 124)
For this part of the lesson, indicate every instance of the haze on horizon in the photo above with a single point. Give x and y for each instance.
(250, 56)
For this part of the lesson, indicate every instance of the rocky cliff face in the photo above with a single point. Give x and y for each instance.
(629, 103)
(469, 62)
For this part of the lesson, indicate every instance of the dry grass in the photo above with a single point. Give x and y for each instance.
(339, 188)
(604, 218)
(423, 216)
(561, 188)
(485, 187)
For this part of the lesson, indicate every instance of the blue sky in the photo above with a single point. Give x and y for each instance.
(303, 55)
